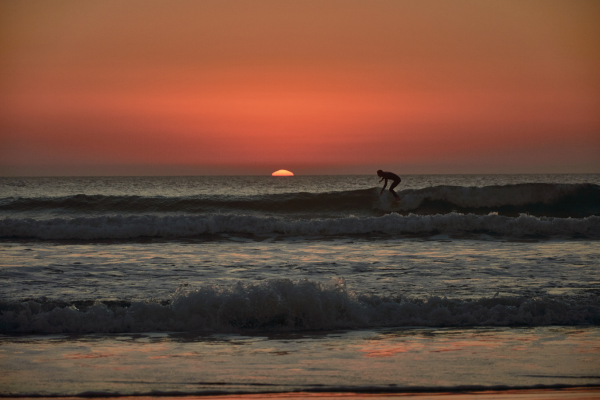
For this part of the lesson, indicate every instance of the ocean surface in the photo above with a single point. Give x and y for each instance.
(246, 284)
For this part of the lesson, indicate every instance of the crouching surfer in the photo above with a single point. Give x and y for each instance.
(392, 177)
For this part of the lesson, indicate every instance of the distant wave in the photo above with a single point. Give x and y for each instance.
(130, 227)
(283, 304)
(551, 200)
(348, 201)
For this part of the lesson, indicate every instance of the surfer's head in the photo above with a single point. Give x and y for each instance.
(379, 172)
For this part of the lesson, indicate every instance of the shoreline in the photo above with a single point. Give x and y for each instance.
(577, 393)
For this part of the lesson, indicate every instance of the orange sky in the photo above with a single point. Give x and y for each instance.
(315, 87)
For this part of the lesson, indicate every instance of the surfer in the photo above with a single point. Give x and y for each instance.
(391, 176)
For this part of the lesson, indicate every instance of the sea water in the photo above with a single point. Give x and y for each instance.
(318, 282)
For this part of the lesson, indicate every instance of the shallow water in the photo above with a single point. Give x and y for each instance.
(433, 266)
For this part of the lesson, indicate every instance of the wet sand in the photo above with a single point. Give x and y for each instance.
(391, 362)
(529, 394)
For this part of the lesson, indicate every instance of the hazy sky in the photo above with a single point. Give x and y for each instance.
(315, 87)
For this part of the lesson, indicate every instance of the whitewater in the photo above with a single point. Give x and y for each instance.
(242, 269)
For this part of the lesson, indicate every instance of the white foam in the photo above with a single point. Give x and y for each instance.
(122, 227)
(287, 305)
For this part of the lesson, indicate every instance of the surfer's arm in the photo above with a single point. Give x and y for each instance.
(384, 186)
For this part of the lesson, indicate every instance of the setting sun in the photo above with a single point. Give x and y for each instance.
(282, 172)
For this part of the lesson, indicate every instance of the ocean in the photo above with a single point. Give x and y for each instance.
(165, 286)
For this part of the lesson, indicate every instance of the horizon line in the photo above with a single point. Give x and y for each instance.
(295, 175)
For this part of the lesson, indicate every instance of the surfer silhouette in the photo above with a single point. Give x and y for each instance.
(391, 176)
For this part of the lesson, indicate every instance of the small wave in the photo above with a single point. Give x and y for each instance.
(131, 227)
(284, 305)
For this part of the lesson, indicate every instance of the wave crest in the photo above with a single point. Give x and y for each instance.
(541, 199)
(283, 305)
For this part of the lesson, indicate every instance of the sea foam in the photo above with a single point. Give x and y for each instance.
(284, 305)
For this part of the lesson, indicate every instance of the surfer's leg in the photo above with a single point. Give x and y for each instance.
(392, 189)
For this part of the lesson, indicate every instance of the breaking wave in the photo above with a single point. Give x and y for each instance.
(284, 305)
(540, 199)
(131, 227)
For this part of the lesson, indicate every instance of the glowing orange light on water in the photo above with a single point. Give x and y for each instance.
(282, 172)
